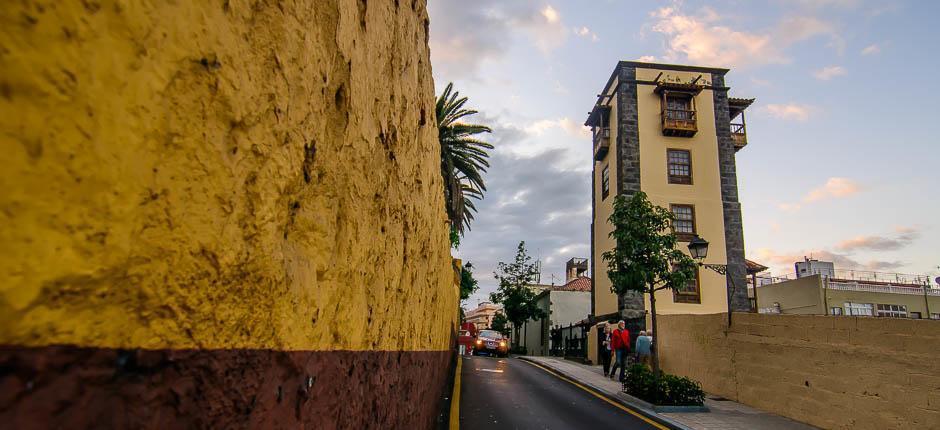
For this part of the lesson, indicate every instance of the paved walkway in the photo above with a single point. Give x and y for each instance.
(723, 415)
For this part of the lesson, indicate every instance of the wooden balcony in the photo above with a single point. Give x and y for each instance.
(739, 136)
(679, 123)
(601, 142)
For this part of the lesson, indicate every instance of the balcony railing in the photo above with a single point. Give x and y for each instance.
(890, 289)
(738, 135)
(601, 142)
(679, 122)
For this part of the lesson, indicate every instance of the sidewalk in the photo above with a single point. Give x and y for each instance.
(723, 415)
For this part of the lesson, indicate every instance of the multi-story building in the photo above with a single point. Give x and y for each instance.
(672, 132)
(482, 316)
(851, 293)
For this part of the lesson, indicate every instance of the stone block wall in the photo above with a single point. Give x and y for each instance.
(221, 214)
(831, 372)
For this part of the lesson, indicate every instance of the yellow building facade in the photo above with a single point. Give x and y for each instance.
(670, 131)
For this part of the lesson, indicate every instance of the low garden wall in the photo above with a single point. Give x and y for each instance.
(831, 372)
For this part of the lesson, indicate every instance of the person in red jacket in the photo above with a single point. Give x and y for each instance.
(620, 344)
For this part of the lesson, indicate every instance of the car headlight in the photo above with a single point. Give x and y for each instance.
(502, 344)
(479, 342)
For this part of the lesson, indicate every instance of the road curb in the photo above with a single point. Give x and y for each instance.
(640, 409)
(454, 423)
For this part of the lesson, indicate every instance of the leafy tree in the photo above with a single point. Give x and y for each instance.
(500, 323)
(463, 159)
(514, 291)
(468, 285)
(645, 258)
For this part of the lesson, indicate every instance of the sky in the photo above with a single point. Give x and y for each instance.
(842, 162)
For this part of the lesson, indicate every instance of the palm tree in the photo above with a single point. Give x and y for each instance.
(463, 158)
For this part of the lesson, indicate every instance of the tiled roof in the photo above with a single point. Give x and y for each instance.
(581, 283)
(753, 267)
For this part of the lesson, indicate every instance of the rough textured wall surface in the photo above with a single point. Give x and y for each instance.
(831, 372)
(218, 176)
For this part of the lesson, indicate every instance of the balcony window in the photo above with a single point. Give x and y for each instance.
(736, 109)
(683, 223)
(605, 182)
(679, 166)
(678, 108)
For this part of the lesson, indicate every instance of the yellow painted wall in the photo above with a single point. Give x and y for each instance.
(833, 372)
(605, 301)
(914, 302)
(221, 175)
(704, 193)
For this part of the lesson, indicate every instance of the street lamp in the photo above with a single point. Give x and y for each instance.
(698, 249)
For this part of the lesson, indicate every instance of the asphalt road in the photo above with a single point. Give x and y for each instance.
(508, 393)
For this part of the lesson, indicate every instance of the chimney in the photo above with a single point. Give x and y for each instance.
(574, 268)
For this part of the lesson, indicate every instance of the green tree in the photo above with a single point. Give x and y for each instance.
(645, 258)
(468, 285)
(499, 323)
(514, 291)
(463, 159)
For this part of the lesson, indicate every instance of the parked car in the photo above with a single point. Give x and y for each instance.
(491, 342)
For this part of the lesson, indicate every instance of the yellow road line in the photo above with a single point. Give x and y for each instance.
(599, 396)
(455, 398)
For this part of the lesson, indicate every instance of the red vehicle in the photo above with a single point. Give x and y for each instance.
(465, 338)
(491, 342)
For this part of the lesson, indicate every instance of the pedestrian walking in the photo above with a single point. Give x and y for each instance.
(605, 349)
(620, 343)
(643, 351)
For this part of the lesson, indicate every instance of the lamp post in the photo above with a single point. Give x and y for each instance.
(698, 249)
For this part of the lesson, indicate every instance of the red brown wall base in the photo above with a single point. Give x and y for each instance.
(72, 387)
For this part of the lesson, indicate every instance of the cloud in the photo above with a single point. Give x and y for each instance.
(790, 111)
(903, 237)
(529, 199)
(834, 188)
(565, 124)
(702, 38)
(586, 33)
(464, 38)
(871, 49)
(781, 263)
(827, 73)
(647, 59)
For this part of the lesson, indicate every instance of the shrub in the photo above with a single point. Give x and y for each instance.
(662, 389)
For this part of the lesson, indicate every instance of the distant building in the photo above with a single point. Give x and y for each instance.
(810, 267)
(563, 305)
(851, 293)
(482, 316)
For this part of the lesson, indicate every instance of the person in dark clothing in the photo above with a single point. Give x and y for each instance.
(604, 353)
(620, 343)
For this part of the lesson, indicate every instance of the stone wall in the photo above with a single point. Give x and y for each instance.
(831, 372)
(215, 214)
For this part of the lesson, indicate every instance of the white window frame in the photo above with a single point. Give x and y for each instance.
(887, 310)
(835, 310)
(859, 309)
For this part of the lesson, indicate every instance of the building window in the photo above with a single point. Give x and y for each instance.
(935, 316)
(892, 311)
(605, 182)
(915, 315)
(683, 223)
(679, 106)
(679, 165)
(835, 311)
(691, 292)
(859, 309)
